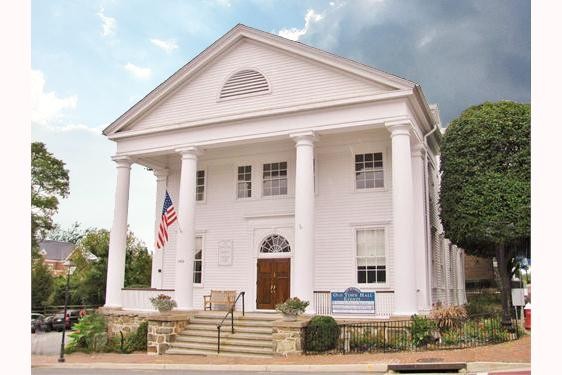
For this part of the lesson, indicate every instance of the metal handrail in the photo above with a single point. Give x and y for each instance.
(231, 312)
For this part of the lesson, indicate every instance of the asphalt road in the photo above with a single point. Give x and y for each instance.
(46, 342)
(57, 371)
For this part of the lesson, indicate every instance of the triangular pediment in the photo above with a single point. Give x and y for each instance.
(286, 74)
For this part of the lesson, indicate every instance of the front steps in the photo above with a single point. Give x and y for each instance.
(252, 335)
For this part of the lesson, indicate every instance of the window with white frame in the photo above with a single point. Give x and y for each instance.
(369, 171)
(371, 258)
(275, 178)
(198, 261)
(200, 189)
(244, 185)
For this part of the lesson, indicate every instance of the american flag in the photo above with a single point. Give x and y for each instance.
(168, 218)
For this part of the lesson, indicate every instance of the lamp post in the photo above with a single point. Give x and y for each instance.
(71, 269)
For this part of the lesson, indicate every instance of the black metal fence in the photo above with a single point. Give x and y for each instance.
(418, 333)
(54, 309)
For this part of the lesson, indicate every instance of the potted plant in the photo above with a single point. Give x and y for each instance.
(291, 308)
(163, 302)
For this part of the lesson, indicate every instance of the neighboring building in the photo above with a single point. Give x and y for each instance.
(479, 272)
(293, 172)
(54, 254)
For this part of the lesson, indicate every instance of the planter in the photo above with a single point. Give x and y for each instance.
(289, 317)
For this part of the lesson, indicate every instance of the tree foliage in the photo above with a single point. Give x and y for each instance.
(41, 283)
(73, 234)
(49, 181)
(486, 181)
(88, 283)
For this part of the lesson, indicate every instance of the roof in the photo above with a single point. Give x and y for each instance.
(238, 32)
(56, 250)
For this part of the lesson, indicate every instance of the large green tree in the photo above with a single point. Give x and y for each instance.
(486, 183)
(41, 283)
(49, 182)
(88, 283)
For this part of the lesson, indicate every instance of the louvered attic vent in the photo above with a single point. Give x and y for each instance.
(244, 82)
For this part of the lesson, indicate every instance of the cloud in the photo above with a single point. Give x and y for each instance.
(137, 71)
(167, 45)
(108, 24)
(461, 53)
(47, 107)
(294, 33)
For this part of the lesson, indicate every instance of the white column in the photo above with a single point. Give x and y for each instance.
(158, 254)
(118, 235)
(185, 244)
(420, 240)
(303, 260)
(446, 274)
(405, 302)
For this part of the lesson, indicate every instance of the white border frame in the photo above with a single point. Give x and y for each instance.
(203, 271)
(371, 226)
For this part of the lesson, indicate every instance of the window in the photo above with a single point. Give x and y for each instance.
(198, 260)
(244, 181)
(200, 189)
(275, 244)
(275, 179)
(371, 260)
(369, 171)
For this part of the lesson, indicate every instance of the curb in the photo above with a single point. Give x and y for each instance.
(368, 367)
(472, 367)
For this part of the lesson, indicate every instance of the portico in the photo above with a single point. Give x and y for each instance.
(282, 187)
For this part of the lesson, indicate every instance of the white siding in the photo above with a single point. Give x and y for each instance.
(339, 209)
(293, 81)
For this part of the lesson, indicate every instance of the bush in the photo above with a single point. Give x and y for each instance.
(292, 306)
(366, 338)
(89, 335)
(484, 303)
(322, 334)
(451, 337)
(163, 302)
(494, 331)
(448, 317)
(137, 340)
(398, 338)
(422, 330)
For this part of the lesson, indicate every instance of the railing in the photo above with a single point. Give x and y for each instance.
(54, 309)
(139, 298)
(231, 312)
(419, 334)
(384, 303)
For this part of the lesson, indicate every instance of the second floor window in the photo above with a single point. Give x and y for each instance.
(275, 179)
(244, 181)
(200, 189)
(369, 171)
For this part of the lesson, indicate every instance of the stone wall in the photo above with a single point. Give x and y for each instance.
(162, 330)
(288, 337)
(123, 321)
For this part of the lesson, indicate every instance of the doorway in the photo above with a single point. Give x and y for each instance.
(273, 282)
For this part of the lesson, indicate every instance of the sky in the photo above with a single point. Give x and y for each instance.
(92, 60)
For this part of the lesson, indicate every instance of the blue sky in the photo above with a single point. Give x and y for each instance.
(92, 60)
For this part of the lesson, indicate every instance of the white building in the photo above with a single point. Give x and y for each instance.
(293, 172)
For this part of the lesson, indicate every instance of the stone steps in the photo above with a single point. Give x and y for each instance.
(253, 335)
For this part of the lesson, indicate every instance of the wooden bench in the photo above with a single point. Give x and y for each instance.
(220, 297)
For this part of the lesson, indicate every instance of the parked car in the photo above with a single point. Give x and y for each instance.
(49, 323)
(37, 322)
(72, 317)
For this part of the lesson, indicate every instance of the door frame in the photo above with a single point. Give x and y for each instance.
(259, 233)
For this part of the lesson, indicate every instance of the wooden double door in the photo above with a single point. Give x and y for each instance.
(274, 282)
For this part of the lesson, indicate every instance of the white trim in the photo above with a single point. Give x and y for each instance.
(371, 226)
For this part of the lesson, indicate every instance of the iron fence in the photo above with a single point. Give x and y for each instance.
(415, 334)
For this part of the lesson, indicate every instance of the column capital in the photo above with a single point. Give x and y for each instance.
(304, 138)
(399, 127)
(161, 173)
(122, 161)
(189, 152)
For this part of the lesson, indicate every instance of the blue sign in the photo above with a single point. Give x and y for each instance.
(353, 301)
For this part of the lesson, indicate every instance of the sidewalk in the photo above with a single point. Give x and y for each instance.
(516, 353)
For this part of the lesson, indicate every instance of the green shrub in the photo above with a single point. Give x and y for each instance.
(366, 338)
(484, 303)
(322, 334)
(451, 337)
(493, 330)
(89, 335)
(422, 330)
(137, 340)
(398, 338)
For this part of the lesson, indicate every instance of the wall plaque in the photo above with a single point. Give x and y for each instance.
(225, 253)
(353, 301)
